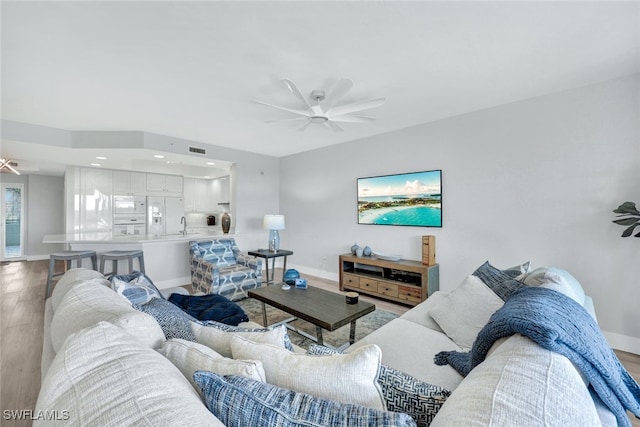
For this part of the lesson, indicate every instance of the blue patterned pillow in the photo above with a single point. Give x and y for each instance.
(402, 392)
(501, 283)
(230, 328)
(173, 321)
(240, 402)
(136, 287)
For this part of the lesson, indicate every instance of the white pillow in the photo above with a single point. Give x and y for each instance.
(72, 278)
(220, 340)
(86, 304)
(189, 356)
(346, 378)
(466, 310)
(103, 376)
(558, 280)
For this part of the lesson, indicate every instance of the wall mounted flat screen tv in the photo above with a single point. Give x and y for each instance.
(410, 199)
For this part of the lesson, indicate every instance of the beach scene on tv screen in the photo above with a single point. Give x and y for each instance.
(413, 199)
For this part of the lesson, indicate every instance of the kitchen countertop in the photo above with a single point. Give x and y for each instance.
(108, 237)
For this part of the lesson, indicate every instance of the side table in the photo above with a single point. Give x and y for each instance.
(267, 254)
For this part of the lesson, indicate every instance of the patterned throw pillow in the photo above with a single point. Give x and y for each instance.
(135, 287)
(500, 282)
(239, 402)
(173, 321)
(402, 392)
(230, 328)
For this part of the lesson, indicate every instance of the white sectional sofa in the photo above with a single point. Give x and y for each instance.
(101, 366)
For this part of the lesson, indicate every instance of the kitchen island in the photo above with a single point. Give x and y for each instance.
(166, 256)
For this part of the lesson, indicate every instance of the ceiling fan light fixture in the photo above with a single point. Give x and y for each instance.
(318, 119)
(323, 109)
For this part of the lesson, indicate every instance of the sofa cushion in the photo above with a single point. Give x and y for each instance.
(88, 303)
(420, 314)
(190, 357)
(174, 322)
(466, 310)
(402, 392)
(520, 384)
(349, 378)
(103, 376)
(137, 288)
(70, 279)
(241, 402)
(558, 280)
(410, 348)
(218, 336)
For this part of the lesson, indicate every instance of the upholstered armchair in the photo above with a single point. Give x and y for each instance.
(219, 267)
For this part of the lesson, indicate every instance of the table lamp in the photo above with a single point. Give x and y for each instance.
(273, 223)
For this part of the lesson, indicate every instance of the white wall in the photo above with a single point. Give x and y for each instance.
(533, 180)
(45, 207)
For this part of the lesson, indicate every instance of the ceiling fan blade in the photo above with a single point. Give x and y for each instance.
(286, 119)
(341, 88)
(353, 119)
(304, 126)
(355, 107)
(294, 90)
(333, 126)
(290, 110)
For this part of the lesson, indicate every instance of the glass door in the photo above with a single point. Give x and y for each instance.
(12, 214)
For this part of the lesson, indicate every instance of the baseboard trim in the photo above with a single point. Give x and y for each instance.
(623, 342)
(317, 273)
(37, 257)
(172, 283)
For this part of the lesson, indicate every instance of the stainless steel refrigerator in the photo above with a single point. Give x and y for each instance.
(164, 214)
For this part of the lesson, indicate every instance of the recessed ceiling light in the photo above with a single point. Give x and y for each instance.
(96, 164)
(101, 158)
(207, 177)
(158, 156)
(210, 163)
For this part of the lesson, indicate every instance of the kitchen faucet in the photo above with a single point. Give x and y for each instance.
(183, 220)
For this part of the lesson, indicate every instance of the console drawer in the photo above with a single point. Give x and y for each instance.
(350, 281)
(388, 289)
(369, 284)
(410, 293)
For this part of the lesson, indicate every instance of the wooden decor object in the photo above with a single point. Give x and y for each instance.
(428, 250)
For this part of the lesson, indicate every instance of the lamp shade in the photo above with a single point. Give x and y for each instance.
(273, 222)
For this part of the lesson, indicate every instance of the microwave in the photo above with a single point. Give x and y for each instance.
(129, 205)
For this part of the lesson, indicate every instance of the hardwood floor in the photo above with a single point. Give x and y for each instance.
(22, 296)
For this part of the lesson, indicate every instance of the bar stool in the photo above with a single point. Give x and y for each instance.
(67, 257)
(115, 256)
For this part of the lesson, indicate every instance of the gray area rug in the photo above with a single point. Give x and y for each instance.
(364, 326)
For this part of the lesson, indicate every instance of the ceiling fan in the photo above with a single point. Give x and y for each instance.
(10, 165)
(323, 109)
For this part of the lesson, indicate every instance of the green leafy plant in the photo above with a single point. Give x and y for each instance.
(629, 217)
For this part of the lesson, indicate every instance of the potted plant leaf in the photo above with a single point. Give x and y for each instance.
(628, 216)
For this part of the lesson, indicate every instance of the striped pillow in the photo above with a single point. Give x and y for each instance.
(240, 402)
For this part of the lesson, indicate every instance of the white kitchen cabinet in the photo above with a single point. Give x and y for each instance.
(95, 212)
(164, 185)
(129, 183)
(197, 195)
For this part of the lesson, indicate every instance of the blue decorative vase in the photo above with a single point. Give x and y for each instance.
(290, 276)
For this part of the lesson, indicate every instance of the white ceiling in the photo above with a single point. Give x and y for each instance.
(191, 69)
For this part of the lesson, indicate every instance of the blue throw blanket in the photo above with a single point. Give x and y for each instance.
(210, 307)
(557, 323)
